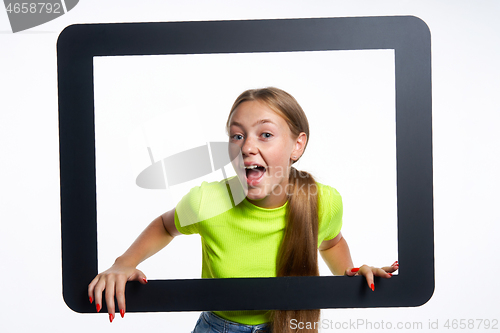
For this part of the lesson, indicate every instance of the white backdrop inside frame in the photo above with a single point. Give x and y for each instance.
(177, 102)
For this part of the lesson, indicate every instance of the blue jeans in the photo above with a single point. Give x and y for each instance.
(211, 323)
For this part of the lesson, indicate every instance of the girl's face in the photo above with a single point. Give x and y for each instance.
(268, 149)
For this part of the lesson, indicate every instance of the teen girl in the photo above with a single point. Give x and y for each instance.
(276, 231)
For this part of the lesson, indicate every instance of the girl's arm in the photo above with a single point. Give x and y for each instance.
(155, 237)
(335, 253)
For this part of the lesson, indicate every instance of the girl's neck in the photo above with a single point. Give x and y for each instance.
(270, 201)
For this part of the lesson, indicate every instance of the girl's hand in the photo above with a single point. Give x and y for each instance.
(113, 282)
(155, 237)
(369, 272)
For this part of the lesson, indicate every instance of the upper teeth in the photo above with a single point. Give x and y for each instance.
(251, 167)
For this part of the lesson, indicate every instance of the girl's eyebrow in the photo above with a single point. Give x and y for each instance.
(258, 122)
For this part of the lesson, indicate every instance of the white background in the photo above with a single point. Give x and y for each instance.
(465, 49)
(154, 102)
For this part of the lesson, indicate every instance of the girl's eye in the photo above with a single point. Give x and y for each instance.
(266, 135)
(237, 137)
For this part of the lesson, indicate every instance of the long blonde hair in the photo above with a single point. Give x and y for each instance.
(298, 253)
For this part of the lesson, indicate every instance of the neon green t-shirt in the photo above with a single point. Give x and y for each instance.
(243, 240)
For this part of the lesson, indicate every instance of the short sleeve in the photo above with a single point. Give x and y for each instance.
(200, 204)
(330, 212)
(186, 212)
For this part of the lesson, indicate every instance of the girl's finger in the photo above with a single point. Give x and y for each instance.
(366, 271)
(391, 269)
(120, 294)
(91, 289)
(142, 277)
(381, 272)
(139, 276)
(351, 271)
(98, 289)
(110, 299)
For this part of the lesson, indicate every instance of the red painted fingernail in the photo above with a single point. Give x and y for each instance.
(354, 270)
(111, 317)
(98, 307)
(144, 279)
(395, 263)
(90, 299)
(389, 274)
(122, 312)
(373, 287)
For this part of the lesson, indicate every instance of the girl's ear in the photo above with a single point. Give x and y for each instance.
(300, 145)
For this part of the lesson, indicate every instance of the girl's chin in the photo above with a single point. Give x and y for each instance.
(256, 194)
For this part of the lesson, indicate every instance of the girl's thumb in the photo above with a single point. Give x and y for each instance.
(140, 276)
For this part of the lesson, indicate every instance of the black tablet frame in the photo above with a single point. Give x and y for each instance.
(408, 36)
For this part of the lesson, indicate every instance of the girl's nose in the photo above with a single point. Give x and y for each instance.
(249, 147)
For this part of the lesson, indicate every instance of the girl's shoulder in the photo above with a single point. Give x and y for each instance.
(329, 201)
(216, 189)
(330, 212)
(208, 200)
(326, 192)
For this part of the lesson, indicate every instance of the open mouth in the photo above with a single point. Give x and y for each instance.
(254, 173)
